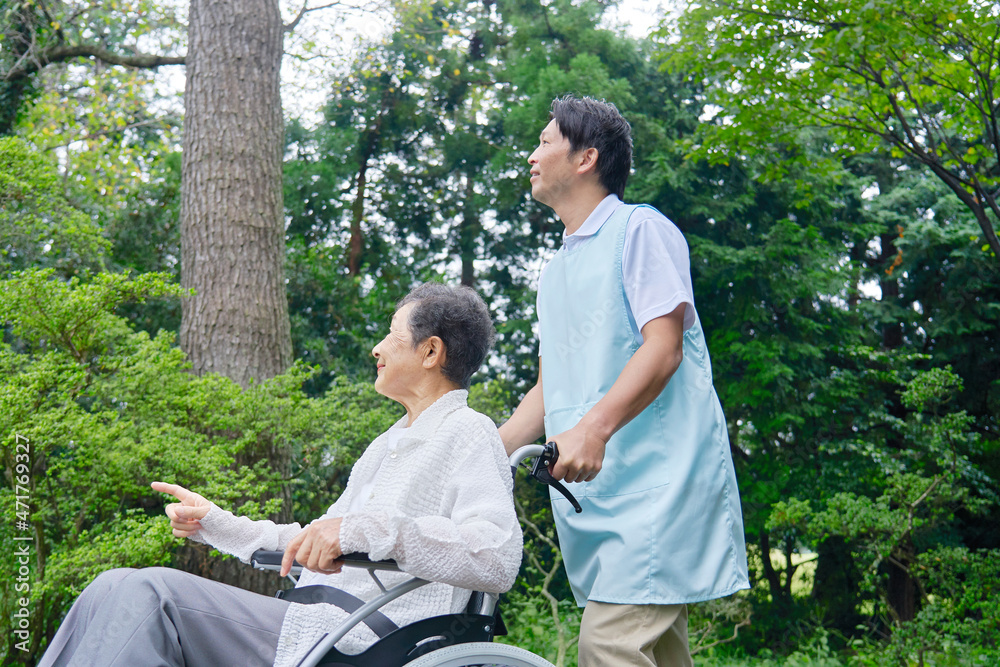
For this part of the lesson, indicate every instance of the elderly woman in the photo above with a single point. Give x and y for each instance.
(433, 492)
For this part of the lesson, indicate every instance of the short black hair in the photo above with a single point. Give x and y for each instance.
(590, 123)
(460, 318)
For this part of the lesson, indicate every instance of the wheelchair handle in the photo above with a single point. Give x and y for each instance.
(541, 470)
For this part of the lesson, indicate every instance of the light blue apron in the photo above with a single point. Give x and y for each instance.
(661, 522)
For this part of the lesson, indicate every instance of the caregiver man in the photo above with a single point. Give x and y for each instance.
(625, 391)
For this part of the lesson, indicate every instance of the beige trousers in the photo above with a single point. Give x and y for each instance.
(623, 635)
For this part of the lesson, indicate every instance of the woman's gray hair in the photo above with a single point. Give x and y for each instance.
(460, 318)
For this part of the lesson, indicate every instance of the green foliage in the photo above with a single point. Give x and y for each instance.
(717, 622)
(531, 626)
(76, 317)
(109, 122)
(336, 321)
(107, 410)
(38, 225)
(418, 170)
(964, 610)
(145, 238)
(915, 77)
(904, 509)
(336, 430)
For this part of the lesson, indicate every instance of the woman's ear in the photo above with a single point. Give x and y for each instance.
(434, 352)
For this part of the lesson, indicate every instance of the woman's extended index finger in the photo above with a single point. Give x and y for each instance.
(178, 492)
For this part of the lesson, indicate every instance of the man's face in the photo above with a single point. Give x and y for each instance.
(553, 173)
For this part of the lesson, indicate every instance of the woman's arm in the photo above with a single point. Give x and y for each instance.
(199, 520)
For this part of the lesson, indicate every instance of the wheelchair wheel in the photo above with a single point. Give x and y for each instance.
(481, 654)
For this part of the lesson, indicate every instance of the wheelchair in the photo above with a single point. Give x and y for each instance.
(451, 640)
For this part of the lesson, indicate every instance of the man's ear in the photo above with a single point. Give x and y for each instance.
(586, 161)
(433, 352)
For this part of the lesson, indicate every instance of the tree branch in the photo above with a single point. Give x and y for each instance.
(52, 22)
(61, 53)
(780, 16)
(305, 10)
(698, 648)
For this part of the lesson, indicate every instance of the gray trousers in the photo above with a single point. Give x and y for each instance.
(158, 617)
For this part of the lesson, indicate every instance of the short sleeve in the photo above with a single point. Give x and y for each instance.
(656, 268)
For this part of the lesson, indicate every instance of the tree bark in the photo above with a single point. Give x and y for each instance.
(903, 595)
(468, 233)
(232, 215)
(232, 221)
(836, 585)
(369, 141)
(770, 574)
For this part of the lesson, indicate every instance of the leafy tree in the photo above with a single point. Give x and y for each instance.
(874, 218)
(231, 213)
(43, 33)
(107, 123)
(39, 227)
(900, 510)
(919, 77)
(234, 317)
(145, 238)
(436, 123)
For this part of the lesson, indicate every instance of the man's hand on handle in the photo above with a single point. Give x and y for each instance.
(581, 454)
(185, 516)
(317, 548)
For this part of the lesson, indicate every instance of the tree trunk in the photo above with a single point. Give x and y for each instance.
(892, 332)
(469, 230)
(903, 595)
(25, 24)
(836, 585)
(900, 595)
(770, 574)
(232, 221)
(232, 213)
(369, 141)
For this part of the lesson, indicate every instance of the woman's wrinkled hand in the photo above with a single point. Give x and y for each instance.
(317, 548)
(185, 516)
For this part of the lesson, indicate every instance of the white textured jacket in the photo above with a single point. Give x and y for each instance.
(441, 506)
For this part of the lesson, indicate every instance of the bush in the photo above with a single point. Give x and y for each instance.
(91, 412)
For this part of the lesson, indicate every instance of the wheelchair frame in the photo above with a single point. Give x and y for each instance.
(450, 640)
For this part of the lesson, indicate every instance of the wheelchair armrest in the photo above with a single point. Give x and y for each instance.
(362, 560)
(271, 560)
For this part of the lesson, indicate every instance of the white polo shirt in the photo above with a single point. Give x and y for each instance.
(656, 265)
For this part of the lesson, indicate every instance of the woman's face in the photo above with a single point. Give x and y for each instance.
(399, 366)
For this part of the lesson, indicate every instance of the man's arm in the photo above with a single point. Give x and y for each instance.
(581, 448)
(527, 424)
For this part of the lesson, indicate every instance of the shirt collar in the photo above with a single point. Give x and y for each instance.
(427, 424)
(594, 221)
